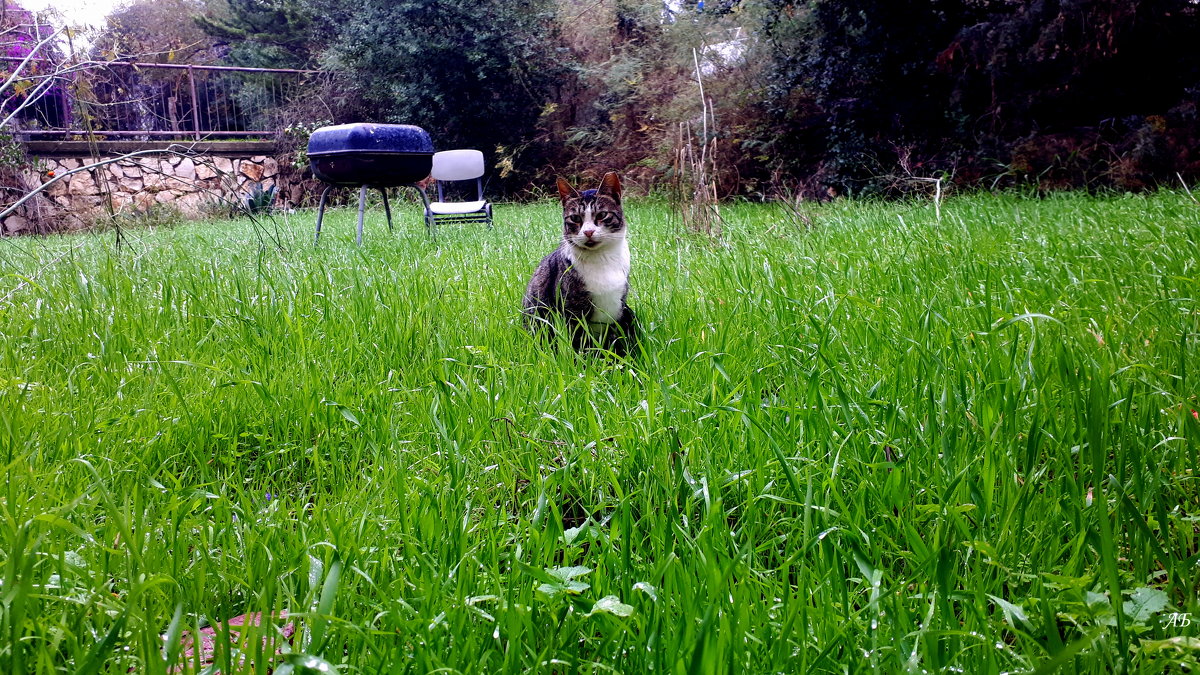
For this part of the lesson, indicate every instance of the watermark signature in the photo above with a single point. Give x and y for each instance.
(1178, 620)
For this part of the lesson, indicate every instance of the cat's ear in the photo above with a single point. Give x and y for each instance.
(611, 185)
(565, 191)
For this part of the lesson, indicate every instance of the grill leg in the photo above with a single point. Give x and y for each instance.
(362, 205)
(387, 209)
(429, 222)
(321, 212)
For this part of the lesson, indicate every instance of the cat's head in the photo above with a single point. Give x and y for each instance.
(592, 219)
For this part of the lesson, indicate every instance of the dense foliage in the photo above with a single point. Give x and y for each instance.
(824, 96)
(474, 73)
(154, 30)
(1064, 93)
(264, 33)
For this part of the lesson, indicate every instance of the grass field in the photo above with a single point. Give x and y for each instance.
(857, 439)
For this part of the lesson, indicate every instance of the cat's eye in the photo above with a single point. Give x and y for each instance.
(606, 218)
(574, 219)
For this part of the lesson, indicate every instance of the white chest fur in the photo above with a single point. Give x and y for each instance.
(605, 274)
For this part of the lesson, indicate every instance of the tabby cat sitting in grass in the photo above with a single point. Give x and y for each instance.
(585, 281)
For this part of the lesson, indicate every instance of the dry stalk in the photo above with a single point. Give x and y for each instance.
(694, 188)
(937, 193)
(1186, 188)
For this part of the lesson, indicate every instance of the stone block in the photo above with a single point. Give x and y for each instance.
(186, 169)
(121, 200)
(204, 169)
(16, 224)
(177, 184)
(192, 203)
(252, 171)
(82, 183)
(58, 188)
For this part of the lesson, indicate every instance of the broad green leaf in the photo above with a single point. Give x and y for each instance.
(349, 415)
(586, 532)
(648, 589)
(1095, 599)
(1012, 613)
(1179, 642)
(611, 604)
(568, 573)
(569, 587)
(306, 664)
(1144, 603)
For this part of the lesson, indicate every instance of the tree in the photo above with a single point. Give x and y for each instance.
(267, 33)
(155, 30)
(475, 73)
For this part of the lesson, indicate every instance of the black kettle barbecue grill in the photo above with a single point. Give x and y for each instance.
(370, 155)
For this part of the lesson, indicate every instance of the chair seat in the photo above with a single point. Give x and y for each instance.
(455, 208)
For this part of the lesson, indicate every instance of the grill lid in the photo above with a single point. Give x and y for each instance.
(363, 138)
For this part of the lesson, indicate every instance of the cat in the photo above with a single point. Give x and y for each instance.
(585, 281)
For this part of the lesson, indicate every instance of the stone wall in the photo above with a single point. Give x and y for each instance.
(194, 185)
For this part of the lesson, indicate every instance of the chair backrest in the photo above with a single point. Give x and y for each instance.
(457, 165)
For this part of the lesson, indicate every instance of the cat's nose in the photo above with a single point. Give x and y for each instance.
(589, 233)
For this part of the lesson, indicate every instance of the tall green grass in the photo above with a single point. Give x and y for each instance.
(857, 440)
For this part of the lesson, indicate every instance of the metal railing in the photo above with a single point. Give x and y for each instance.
(159, 101)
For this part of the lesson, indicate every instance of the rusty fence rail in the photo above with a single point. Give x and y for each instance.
(156, 101)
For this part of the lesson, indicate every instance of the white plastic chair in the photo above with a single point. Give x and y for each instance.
(458, 165)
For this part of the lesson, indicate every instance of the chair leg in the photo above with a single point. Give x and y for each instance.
(387, 208)
(362, 205)
(321, 212)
